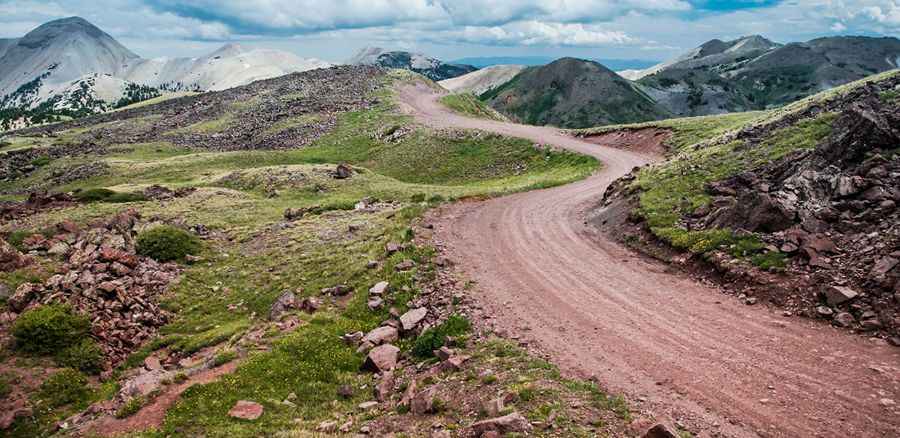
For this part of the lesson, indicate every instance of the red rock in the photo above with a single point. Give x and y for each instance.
(514, 422)
(246, 410)
(382, 358)
(660, 430)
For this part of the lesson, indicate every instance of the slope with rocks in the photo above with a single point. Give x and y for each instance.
(797, 209)
(753, 73)
(573, 93)
(429, 67)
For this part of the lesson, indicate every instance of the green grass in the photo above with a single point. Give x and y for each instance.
(677, 187)
(686, 131)
(469, 105)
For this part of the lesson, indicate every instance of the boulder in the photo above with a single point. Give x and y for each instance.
(660, 430)
(380, 288)
(385, 387)
(411, 319)
(454, 363)
(511, 423)
(837, 295)
(381, 335)
(375, 303)
(382, 358)
(19, 300)
(392, 248)
(246, 410)
(10, 258)
(285, 302)
(844, 319)
(343, 171)
(405, 265)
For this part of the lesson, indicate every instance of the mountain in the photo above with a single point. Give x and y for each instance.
(753, 73)
(52, 72)
(532, 61)
(431, 68)
(481, 81)
(573, 93)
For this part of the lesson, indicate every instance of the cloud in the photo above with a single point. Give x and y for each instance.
(537, 33)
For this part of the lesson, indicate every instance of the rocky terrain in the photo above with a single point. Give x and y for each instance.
(482, 81)
(572, 93)
(431, 68)
(815, 228)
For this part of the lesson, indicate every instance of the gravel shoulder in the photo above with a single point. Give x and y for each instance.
(678, 348)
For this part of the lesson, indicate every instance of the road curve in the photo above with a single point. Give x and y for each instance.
(676, 348)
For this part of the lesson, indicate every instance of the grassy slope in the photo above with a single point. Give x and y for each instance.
(259, 261)
(676, 187)
(468, 104)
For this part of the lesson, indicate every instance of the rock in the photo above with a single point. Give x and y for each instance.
(9, 416)
(385, 387)
(4, 292)
(442, 261)
(405, 265)
(882, 267)
(345, 391)
(285, 302)
(10, 258)
(423, 402)
(494, 407)
(327, 427)
(411, 319)
(365, 406)
(454, 363)
(337, 291)
(59, 249)
(844, 319)
(894, 340)
(871, 324)
(886, 402)
(443, 353)
(343, 171)
(836, 295)
(824, 312)
(660, 430)
(246, 410)
(152, 363)
(382, 358)
(380, 288)
(372, 264)
(410, 392)
(392, 248)
(511, 423)
(382, 335)
(309, 305)
(352, 338)
(375, 303)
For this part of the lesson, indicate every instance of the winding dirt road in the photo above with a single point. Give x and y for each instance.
(676, 348)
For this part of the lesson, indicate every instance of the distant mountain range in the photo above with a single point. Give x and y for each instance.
(431, 68)
(69, 67)
(750, 73)
(532, 61)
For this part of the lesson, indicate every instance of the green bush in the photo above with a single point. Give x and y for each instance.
(131, 407)
(85, 356)
(106, 195)
(5, 387)
(436, 337)
(48, 329)
(166, 243)
(65, 387)
(40, 161)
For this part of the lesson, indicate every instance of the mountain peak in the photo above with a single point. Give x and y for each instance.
(230, 49)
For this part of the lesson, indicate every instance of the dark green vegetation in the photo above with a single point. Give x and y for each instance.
(65, 387)
(106, 195)
(437, 337)
(85, 356)
(256, 254)
(573, 93)
(166, 243)
(48, 329)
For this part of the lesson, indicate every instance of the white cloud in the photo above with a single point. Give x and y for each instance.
(537, 33)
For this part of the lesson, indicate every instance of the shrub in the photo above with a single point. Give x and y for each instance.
(224, 357)
(131, 407)
(166, 243)
(85, 356)
(65, 387)
(436, 337)
(106, 195)
(49, 329)
(40, 161)
(5, 387)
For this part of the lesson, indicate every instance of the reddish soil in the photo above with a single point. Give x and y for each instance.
(153, 414)
(676, 348)
(648, 141)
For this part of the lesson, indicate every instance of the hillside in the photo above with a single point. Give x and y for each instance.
(795, 207)
(429, 67)
(753, 73)
(298, 283)
(51, 72)
(481, 81)
(573, 93)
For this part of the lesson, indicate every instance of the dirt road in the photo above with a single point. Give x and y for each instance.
(676, 348)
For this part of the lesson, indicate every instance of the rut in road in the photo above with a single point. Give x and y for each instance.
(676, 348)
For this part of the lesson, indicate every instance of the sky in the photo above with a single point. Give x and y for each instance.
(334, 30)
